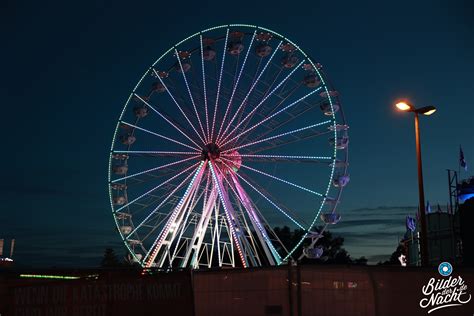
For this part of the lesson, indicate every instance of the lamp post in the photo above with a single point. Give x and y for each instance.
(427, 110)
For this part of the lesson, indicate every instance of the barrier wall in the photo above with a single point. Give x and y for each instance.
(336, 291)
(114, 294)
(242, 292)
(288, 290)
(324, 290)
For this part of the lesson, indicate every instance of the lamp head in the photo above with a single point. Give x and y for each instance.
(427, 110)
(404, 106)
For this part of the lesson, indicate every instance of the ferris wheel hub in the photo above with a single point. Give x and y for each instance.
(210, 152)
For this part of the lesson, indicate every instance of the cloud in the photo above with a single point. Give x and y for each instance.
(372, 232)
(382, 208)
(370, 221)
(376, 236)
(378, 258)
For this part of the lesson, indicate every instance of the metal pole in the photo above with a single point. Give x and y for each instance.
(424, 233)
(450, 193)
(459, 162)
(298, 289)
(290, 287)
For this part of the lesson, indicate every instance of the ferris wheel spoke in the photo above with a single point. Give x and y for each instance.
(188, 219)
(263, 100)
(158, 223)
(271, 116)
(190, 94)
(155, 198)
(281, 158)
(274, 200)
(206, 193)
(229, 213)
(239, 192)
(195, 87)
(229, 105)
(153, 177)
(278, 136)
(204, 90)
(201, 228)
(283, 99)
(159, 135)
(219, 85)
(283, 95)
(279, 179)
(156, 168)
(156, 187)
(157, 153)
(263, 94)
(173, 222)
(272, 146)
(165, 199)
(166, 119)
(249, 241)
(260, 215)
(296, 222)
(250, 91)
(185, 109)
(177, 104)
(239, 216)
(227, 91)
(187, 214)
(254, 79)
(273, 127)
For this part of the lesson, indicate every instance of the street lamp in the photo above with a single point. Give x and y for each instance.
(427, 110)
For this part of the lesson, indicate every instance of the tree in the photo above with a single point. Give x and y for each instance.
(361, 261)
(289, 238)
(333, 252)
(110, 259)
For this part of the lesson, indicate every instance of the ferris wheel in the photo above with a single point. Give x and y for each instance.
(232, 132)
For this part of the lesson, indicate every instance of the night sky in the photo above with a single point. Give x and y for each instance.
(68, 67)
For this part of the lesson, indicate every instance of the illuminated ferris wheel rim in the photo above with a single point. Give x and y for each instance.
(210, 151)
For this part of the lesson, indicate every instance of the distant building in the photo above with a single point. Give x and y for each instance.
(467, 216)
(466, 190)
(449, 230)
(444, 239)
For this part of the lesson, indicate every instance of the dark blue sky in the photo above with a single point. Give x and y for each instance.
(68, 67)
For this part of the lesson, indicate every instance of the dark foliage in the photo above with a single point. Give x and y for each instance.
(395, 255)
(110, 259)
(333, 252)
